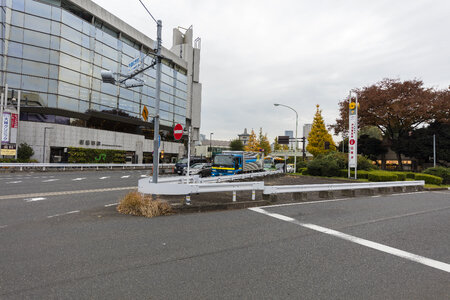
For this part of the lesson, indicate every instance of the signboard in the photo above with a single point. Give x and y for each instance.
(353, 136)
(145, 113)
(8, 149)
(134, 64)
(14, 128)
(178, 131)
(6, 126)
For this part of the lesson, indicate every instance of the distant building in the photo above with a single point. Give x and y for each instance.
(209, 147)
(306, 131)
(244, 137)
(290, 134)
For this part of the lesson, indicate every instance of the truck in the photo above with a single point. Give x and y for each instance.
(237, 162)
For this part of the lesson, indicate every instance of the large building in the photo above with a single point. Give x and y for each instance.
(53, 51)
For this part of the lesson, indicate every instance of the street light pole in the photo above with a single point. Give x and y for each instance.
(296, 130)
(210, 143)
(156, 118)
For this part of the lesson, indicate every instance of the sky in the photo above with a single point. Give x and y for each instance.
(255, 53)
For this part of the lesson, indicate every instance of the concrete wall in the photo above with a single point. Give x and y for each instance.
(69, 136)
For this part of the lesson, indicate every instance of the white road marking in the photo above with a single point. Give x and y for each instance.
(112, 204)
(19, 181)
(50, 180)
(376, 196)
(35, 199)
(125, 176)
(67, 213)
(104, 177)
(78, 179)
(3, 226)
(144, 175)
(67, 193)
(373, 245)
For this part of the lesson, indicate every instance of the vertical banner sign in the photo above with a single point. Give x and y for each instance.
(353, 136)
(6, 124)
(14, 127)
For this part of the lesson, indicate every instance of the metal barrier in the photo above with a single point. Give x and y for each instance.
(43, 166)
(279, 189)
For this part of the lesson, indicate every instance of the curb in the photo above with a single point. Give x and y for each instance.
(179, 209)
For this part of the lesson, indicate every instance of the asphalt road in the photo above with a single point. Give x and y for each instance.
(72, 246)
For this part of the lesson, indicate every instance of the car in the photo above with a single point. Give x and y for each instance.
(182, 164)
(201, 169)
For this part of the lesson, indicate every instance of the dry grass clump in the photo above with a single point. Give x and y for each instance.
(137, 204)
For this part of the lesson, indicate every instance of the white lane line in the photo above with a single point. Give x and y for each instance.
(67, 213)
(35, 199)
(125, 176)
(144, 175)
(376, 196)
(105, 177)
(3, 226)
(373, 245)
(19, 181)
(112, 204)
(78, 179)
(50, 180)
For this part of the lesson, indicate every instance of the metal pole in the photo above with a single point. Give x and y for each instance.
(356, 136)
(1, 119)
(18, 121)
(210, 143)
(43, 152)
(349, 101)
(189, 155)
(158, 92)
(296, 142)
(434, 150)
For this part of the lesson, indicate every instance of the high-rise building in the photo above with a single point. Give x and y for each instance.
(53, 51)
(306, 131)
(290, 134)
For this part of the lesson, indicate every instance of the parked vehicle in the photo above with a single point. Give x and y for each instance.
(182, 163)
(201, 169)
(237, 162)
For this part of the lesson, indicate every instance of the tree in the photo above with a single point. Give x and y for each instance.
(252, 144)
(236, 145)
(371, 147)
(319, 137)
(263, 142)
(396, 108)
(25, 152)
(276, 146)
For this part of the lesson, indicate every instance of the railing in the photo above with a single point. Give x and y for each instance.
(64, 166)
(279, 189)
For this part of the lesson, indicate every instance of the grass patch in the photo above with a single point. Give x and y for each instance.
(137, 204)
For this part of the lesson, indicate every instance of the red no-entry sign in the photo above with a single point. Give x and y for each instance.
(178, 131)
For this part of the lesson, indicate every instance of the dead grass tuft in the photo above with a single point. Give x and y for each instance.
(137, 204)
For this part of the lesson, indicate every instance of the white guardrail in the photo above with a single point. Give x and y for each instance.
(79, 166)
(279, 189)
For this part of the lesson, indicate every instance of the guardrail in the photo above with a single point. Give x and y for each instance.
(64, 166)
(279, 189)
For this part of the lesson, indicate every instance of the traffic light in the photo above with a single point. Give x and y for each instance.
(162, 153)
(283, 140)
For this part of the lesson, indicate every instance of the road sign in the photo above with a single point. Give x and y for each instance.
(283, 140)
(134, 64)
(145, 113)
(178, 131)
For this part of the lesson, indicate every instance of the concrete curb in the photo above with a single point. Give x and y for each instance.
(179, 209)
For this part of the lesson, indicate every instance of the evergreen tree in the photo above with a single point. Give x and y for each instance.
(319, 136)
(236, 145)
(252, 144)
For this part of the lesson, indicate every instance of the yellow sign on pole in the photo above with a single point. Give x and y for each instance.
(145, 113)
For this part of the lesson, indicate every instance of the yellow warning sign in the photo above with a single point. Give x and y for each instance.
(145, 113)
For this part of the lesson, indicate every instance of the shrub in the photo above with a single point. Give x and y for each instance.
(400, 176)
(442, 172)
(305, 171)
(301, 164)
(327, 164)
(300, 170)
(410, 175)
(379, 176)
(429, 179)
(360, 173)
(24, 152)
(137, 204)
(365, 164)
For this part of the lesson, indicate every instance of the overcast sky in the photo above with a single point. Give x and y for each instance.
(299, 53)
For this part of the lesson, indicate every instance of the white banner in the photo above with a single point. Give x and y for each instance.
(353, 139)
(6, 125)
(14, 128)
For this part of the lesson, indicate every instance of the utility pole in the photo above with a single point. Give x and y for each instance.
(158, 92)
(434, 150)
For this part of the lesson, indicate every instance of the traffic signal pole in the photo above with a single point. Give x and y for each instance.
(156, 118)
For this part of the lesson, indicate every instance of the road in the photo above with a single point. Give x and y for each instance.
(71, 246)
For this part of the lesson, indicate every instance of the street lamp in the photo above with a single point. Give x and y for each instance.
(296, 127)
(45, 134)
(210, 143)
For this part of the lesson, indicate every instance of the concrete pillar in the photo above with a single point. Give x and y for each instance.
(300, 196)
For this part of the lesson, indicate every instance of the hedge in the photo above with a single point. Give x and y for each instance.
(400, 176)
(429, 179)
(442, 172)
(379, 176)
(84, 155)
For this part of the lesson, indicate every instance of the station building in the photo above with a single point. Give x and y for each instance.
(53, 51)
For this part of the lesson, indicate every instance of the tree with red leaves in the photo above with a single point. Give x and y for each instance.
(396, 108)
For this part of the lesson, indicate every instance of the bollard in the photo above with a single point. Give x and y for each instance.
(253, 195)
(188, 199)
(234, 196)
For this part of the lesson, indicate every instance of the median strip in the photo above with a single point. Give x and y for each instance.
(66, 193)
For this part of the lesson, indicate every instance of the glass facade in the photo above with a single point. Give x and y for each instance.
(55, 57)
